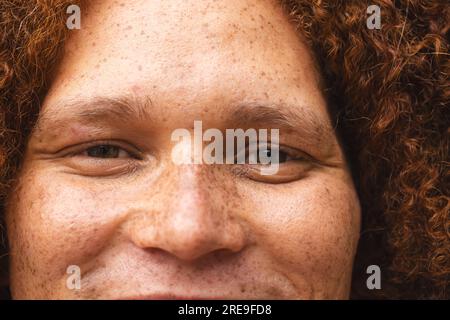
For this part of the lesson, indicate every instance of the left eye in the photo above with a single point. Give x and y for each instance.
(253, 154)
(283, 156)
(106, 151)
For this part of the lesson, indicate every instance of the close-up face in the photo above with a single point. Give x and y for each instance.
(99, 187)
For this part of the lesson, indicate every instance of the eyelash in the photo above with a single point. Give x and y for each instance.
(82, 150)
(299, 156)
(294, 168)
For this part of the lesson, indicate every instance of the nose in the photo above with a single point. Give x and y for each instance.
(193, 219)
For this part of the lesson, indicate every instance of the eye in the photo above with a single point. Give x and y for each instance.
(259, 154)
(106, 151)
(283, 155)
(261, 164)
(109, 158)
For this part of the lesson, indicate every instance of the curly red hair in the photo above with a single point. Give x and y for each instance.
(387, 89)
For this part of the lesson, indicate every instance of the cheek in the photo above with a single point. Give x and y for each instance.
(53, 224)
(309, 229)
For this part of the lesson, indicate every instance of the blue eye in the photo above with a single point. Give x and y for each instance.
(283, 156)
(254, 152)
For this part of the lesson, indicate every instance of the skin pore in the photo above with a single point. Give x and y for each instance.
(98, 188)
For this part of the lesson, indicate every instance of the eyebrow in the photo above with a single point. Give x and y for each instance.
(279, 114)
(99, 110)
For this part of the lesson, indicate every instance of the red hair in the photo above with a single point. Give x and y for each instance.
(388, 90)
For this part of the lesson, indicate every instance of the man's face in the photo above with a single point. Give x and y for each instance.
(99, 188)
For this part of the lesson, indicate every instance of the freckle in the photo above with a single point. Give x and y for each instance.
(142, 32)
(118, 24)
(135, 88)
(263, 73)
(97, 66)
(129, 28)
(140, 68)
(93, 44)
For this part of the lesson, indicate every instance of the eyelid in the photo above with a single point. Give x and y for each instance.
(299, 153)
(78, 149)
(289, 150)
(289, 171)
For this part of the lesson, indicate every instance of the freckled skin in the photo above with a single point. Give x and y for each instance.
(183, 230)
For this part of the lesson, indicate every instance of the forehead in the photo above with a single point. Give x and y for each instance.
(187, 52)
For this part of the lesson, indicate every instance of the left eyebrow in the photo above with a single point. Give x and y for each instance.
(299, 119)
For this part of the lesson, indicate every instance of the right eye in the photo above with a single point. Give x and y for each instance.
(103, 158)
(106, 152)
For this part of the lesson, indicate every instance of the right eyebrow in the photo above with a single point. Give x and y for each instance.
(96, 110)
